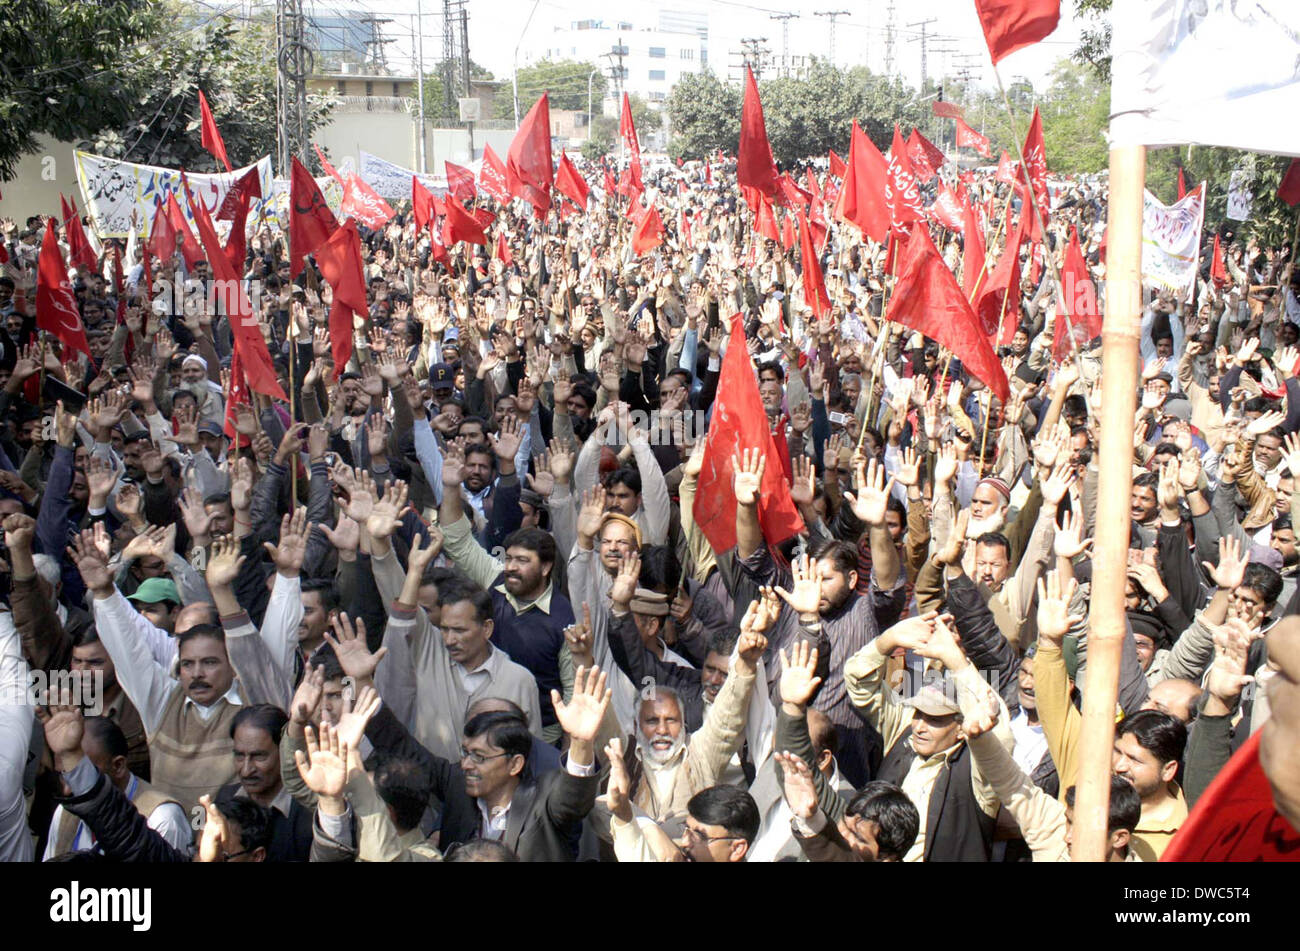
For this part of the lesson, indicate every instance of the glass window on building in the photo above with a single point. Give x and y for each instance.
(657, 74)
(688, 54)
(658, 52)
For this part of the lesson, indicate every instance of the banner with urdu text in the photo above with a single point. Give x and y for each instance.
(392, 181)
(1171, 240)
(111, 190)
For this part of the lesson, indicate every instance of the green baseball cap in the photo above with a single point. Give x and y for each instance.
(154, 590)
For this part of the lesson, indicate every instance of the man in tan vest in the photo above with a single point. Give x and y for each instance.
(188, 720)
(106, 746)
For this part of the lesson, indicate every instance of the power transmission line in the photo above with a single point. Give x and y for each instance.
(832, 16)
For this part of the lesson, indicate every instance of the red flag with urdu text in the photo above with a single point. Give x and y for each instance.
(339, 259)
(529, 170)
(460, 181)
(739, 422)
(243, 191)
(1010, 25)
(999, 301)
(755, 166)
(947, 210)
(946, 110)
(968, 138)
(56, 305)
(1006, 169)
(901, 188)
(492, 175)
(1035, 154)
(210, 137)
(927, 299)
(461, 225)
(310, 224)
(363, 203)
(925, 156)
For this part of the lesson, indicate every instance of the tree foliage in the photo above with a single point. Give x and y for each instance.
(564, 79)
(60, 64)
(1094, 42)
(604, 129)
(704, 114)
(435, 100)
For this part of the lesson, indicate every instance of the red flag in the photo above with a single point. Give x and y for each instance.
(210, 137)
(1080, 295)
(1289, 190)
(492, 175)
(814, 288)
(629, 182)
(947, 210)
(787, 231)
(325, 165)
(611, 186)
(80, 252)
(190, 249)
(422, 203)
(529, 170)
(56, 305)
(684, 229)
(236, 249)
(739, 423)
(483, 217)
(461, 225)
(363, 203)
(1010, 25)
(310, 222)
(927, 299)
(649, 232)
(503, 249)
(968, 138)
(1218, 268)
(972, 255)
(1035, 154)
(999, 298)
(627, 130)
(789, 193)
(238, 396)
(570, 183)
(247, 188)
(924, 155)
(1236, 819)
(946, 110)
(460, 181)
(708, 173)
(765, 224)
(1006, 169)
(837, 166)
(246, 334)
(755, 166)
(862, 200)
(1182, 184)
(340, 264)
(901, 189)
(438, 243)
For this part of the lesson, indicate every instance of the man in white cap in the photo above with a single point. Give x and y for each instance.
(207, 393)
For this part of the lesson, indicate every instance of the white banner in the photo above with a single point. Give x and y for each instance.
(394, 182)
(1206, 72)
(111, 190)
(1171, 240)
(1239, 196)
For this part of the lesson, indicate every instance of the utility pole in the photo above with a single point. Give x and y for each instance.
(832, 15)
(294, 63)
(754, 53)
(375, 56)
(463, 19)
(447, 69)
(785, 19)
(419, 85)
(924, 25)
(890, 39)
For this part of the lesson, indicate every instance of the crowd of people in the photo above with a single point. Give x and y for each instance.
(451, 601)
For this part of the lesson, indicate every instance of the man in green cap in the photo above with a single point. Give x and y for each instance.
(159, 601)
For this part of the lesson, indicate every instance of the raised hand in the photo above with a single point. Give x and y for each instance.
(1228, 676)
(1148, 579)
(224, 562)
(324, 766)
(909, 471)
(1069, 541)
(64, 726)
(578, 637)
(748, 480)
(307, 698)
(349, 645)
(356, 714)
(385, 514)
(619, 790)
(945, 466)
(806, 597)
(288, 555)
(804, 487)
(241, 485)
(506, 444)
(1056, 485)
(625, 582)
(1265, 422)
(942, 645)
(800, 791)
(91, 563)
(1189, 469)
(1054, 618)
(582, 715)
(197, 521)
(1231, 569)
(872, 500)
(592, 512)
(799, 680)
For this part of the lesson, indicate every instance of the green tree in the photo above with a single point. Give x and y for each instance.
(60, 64)
(604, 138)
(564, 79)
(1094, 42)
(157, 118)
(704, 114)
(435, 101)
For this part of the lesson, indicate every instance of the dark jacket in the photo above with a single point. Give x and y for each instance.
(119, 829)
(545, 814)
(290, 837)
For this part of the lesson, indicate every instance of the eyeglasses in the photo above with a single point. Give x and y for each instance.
(478, 759)
(695, 835)
(227, 856)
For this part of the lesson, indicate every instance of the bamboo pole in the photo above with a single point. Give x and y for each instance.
(1106, 624)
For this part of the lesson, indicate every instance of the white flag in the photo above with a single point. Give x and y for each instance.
(1239, 196)
(1171, 240)
(1206, 72)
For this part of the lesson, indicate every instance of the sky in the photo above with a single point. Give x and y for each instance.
(496, 27)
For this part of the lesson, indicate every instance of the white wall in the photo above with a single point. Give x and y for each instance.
(40, 177)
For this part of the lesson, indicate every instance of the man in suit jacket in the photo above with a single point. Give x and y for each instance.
(486, 794)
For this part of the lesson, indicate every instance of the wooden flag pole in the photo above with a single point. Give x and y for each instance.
(1106, 624)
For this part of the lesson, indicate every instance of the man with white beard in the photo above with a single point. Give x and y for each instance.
(194, 379)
